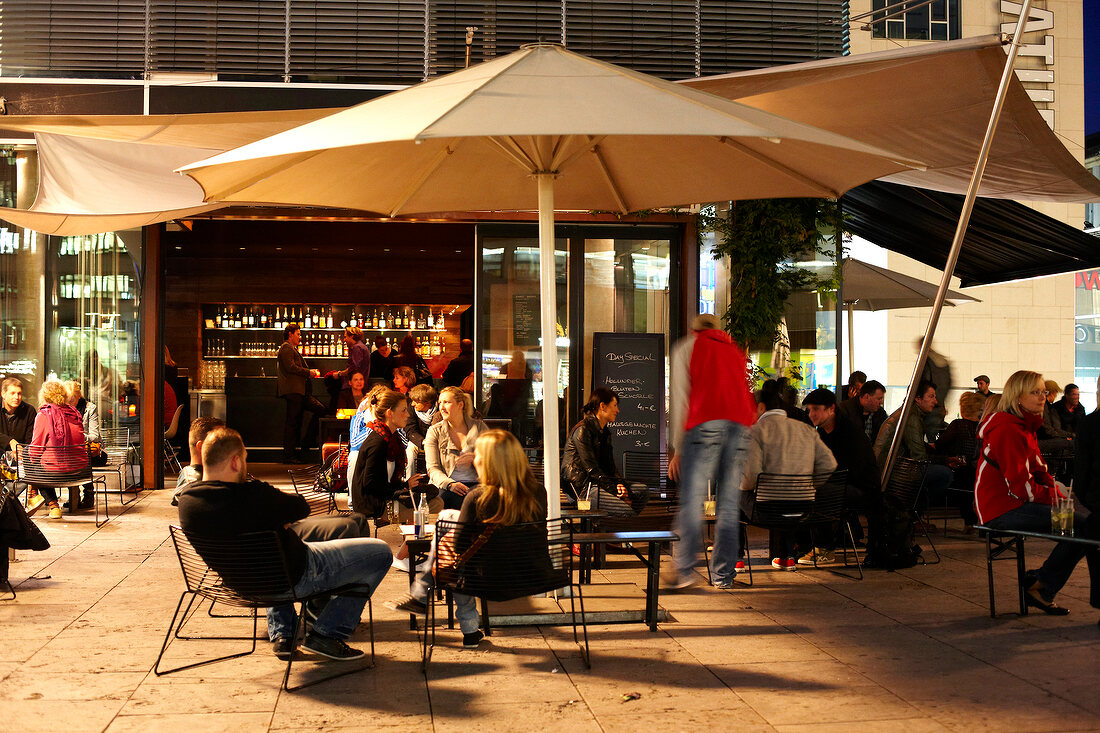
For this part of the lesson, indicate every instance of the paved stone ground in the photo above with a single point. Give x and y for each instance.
(913, 650)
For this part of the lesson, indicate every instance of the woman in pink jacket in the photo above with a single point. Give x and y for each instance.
(57, 424)
(1014, 489)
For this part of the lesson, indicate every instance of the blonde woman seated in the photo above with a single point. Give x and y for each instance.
(507, 494)
(449, 447)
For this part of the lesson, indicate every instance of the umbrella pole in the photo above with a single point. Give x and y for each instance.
(549, 295)
(851, 341)
(956, 244)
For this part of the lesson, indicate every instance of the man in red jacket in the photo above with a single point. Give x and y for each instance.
(710, 412)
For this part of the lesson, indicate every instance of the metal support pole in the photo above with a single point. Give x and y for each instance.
(549, 296)
(839, 315)
(956, 244)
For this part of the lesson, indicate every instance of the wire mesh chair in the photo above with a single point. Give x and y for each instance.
(248, 571)
(115, 442)
(171, 459)
(904, 488)
(61, 467)
(502, 563)
(830, 513)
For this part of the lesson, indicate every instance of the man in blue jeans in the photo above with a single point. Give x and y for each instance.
(710, 412)
(225, 504)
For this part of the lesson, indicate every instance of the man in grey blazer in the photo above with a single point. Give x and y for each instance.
(294, 375)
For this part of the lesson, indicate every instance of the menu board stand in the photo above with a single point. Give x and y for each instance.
(632, 365)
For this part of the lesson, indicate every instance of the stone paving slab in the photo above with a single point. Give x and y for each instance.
(809, 650)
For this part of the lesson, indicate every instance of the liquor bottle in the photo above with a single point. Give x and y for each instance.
(320, 318)
(382, 322)
(374, 319)
(431, 319)
(218, 318)
(278, 322)
(263, 318)
(421, 323)
(439, 321)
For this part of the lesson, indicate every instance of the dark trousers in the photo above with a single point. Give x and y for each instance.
(1064, 557)
(296, 404)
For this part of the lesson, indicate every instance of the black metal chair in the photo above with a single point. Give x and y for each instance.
(115, 442)
(904, 488)
(782, 503)
(651, 469)
(62, 467)
(830, 511)
(258, 577)
(507, 563)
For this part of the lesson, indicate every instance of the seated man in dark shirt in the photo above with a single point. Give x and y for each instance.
(225, 504)
(852, 451)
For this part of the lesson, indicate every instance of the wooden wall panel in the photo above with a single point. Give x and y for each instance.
(298, 262)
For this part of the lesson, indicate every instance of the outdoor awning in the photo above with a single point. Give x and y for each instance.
(931, 103)
(1005, 240)
(109, 172)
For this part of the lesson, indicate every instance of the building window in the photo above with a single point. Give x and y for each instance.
(934, 21)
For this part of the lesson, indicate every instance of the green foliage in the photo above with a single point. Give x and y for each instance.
(764, 238)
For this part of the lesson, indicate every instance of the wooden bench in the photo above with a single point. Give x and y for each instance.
(652, 560)
(1008, 544)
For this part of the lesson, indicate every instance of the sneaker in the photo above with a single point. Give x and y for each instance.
(724, 584)
(409, 605)
(471, 641)
(35, 503)
(740, 565)
(823, 557)
(675, 583)
(87, 501)
(283, 648)
(332, 648)
(314, 608)
(784, 563)
(777, 563)
(55, 510)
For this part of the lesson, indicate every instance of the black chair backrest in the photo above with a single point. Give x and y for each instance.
(516, 561)
(650, 469)
(830, 499)
(785, 500)
(248, 570)
(55, 465)
(905, 481)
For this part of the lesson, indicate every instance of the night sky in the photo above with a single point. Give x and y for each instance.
(1092, 66)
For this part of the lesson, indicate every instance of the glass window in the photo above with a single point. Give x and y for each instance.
(938, 21)
(509, 332)
(22, 260)
(94, 311)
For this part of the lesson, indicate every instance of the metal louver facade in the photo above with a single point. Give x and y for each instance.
(402, 41)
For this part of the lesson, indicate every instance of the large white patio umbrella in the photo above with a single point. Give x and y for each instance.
(548, 129)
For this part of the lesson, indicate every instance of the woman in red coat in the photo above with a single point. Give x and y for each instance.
(1014, 489)
(57, 424)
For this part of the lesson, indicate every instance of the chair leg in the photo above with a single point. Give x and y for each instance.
(428, 640)
(486, 623)
(584, 625)
(353, 670)
(989, 573)
(6, 583)
(177, 628)
(924, 531)
(745, 546)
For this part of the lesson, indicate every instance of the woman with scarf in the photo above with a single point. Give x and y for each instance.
(449, 447)
(380, 467)
(57, 424)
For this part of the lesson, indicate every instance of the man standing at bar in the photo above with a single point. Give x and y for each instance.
(294, 388)
(710, 412)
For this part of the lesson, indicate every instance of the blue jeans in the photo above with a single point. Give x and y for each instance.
(1064, 557)
(465, 606)
(712, 451)
(360, 560)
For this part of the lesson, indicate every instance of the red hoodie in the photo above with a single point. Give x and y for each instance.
(1011, 472)
(59, 425)
(718, 362)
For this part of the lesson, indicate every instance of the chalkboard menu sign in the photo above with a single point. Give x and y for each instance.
(632, 365)
(526, 327)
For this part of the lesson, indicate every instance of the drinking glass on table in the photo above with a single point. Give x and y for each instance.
(585, 504)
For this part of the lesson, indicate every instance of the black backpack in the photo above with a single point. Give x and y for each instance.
(891, 545)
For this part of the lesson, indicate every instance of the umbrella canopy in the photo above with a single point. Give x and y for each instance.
(617, 140)
(871, 288)
(592, 136)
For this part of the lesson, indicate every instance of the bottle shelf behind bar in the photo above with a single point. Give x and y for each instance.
(255, 331)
